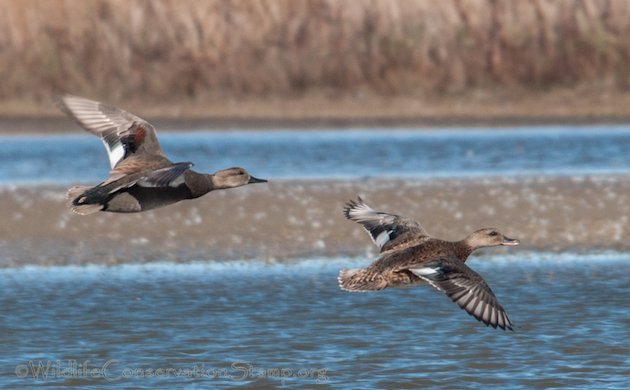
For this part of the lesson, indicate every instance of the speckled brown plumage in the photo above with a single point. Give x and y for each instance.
(409, 255)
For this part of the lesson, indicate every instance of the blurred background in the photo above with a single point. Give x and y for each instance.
(401, 61)
(460, 114)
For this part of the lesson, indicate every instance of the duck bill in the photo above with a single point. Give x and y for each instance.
(253, 180)
(510, 241)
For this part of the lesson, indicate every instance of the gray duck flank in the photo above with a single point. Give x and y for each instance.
(141, 177)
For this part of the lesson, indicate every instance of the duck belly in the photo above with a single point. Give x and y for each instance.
(137, 199)
(403, 278)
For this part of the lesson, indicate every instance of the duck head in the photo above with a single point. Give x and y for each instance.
(489, 237)
(233, 177)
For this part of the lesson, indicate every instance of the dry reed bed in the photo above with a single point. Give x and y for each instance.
(139, 49)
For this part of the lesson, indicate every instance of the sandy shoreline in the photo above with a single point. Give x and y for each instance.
(56, 125)
(303, 218)
(511, 109)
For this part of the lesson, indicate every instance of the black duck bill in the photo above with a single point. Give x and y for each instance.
(253, 180)
(510, 241)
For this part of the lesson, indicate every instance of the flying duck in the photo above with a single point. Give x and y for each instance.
(141, 177)
(409, 255)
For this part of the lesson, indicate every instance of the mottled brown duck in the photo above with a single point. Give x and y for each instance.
(409, 255)
(141, 177)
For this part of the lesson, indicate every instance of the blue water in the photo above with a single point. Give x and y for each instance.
(313, 154)
(212, 324)
(252, 324)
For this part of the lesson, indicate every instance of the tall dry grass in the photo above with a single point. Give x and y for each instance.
(169, 49)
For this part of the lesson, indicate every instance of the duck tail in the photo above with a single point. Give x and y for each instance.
(75, 192)
(360, 280)
(77, 201)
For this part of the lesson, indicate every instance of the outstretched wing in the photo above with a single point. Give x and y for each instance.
(388, 231)
(123, 134)
(466, 288)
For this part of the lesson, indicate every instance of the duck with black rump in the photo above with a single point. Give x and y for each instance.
(141, 177)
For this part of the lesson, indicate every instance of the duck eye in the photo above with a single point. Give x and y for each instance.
(493, 233)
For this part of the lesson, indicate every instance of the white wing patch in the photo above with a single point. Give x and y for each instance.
(382, 238)
(387, 231)
(424, 271)
(363, 213)
(109, 123)
(115, 154)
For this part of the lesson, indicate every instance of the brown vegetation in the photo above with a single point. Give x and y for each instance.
(140, 50)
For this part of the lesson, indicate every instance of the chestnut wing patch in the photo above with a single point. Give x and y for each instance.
(120, 146)
(133, 138)
(122, 133)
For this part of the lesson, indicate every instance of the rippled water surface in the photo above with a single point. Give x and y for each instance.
(213, 324)
(252, 324)
(340, 154)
